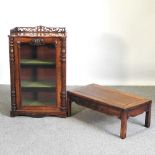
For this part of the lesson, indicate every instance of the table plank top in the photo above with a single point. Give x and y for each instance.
(109, 96)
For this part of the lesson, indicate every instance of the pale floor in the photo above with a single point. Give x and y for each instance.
(87, 132)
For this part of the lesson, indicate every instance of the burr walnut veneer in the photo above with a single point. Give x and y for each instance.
(111, 101)
(38, 71)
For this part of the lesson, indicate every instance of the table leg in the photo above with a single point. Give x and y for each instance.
(69, 105)
(148, 116)
(124, 118)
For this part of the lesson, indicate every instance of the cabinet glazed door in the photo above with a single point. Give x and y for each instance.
(39, 76)
(38, 73)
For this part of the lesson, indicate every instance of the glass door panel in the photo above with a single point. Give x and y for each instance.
(38, 74)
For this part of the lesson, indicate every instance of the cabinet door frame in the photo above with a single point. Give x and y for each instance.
(17, 109)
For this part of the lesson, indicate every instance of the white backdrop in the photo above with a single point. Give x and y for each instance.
(109, 42)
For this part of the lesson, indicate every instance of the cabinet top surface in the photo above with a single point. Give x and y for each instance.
(109, 96)
(40, 31)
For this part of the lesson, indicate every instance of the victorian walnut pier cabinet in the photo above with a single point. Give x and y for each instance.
(38, 71)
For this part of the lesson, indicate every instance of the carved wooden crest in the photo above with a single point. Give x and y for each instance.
(37, 41)
(39, 31)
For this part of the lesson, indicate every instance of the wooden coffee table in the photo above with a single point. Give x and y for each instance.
(111, 101)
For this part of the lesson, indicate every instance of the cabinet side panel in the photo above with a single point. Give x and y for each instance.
(63, 75)
(12, 75)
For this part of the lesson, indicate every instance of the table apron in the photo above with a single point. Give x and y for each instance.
(96, 106)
